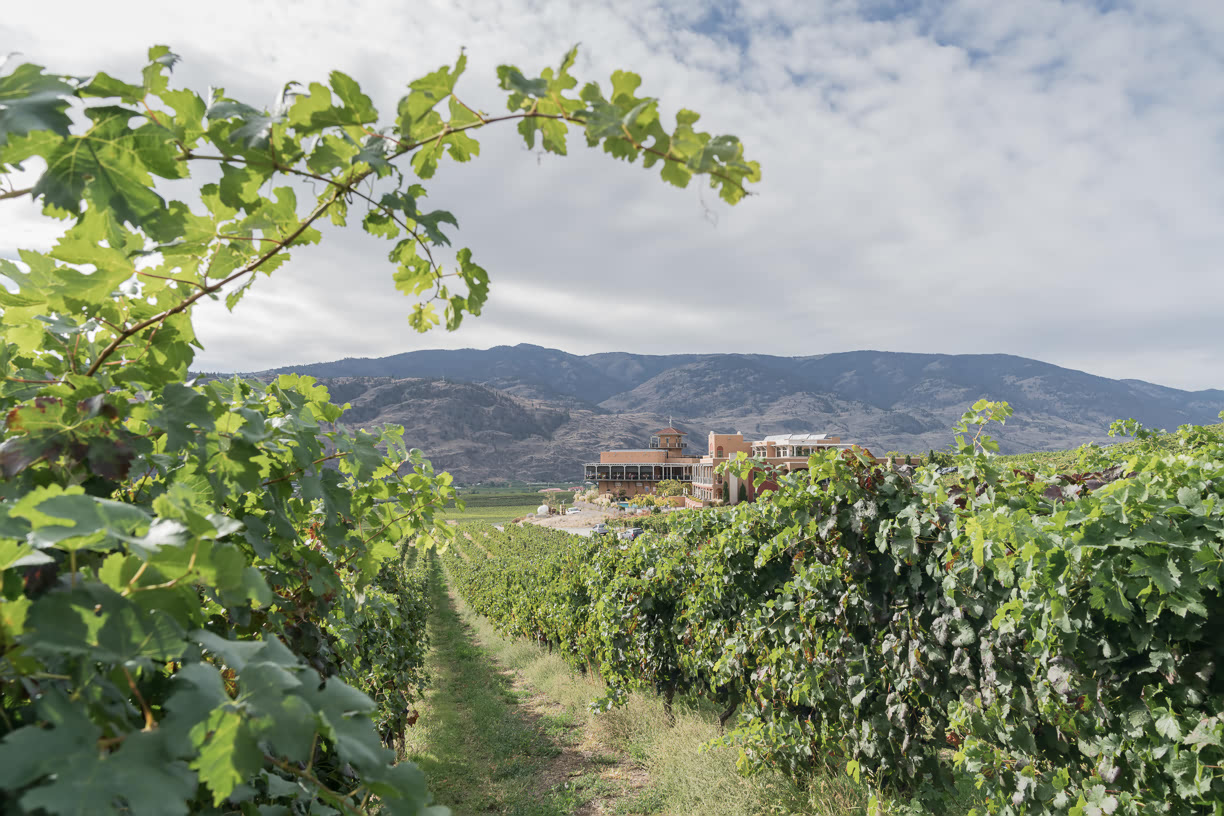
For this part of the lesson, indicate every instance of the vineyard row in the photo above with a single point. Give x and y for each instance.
(1051, 639)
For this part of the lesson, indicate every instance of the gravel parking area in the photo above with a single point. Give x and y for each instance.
(589, 516)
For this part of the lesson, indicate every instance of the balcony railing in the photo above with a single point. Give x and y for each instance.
(637, 473)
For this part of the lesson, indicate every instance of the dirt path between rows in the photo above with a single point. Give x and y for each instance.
(491, 744)
(582, 754)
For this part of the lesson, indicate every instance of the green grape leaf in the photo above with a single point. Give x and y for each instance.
(30, 753)
(374, 153)
(427, 92)
(94, 621)
(157, 73)
(423, 317)
(512, 79)
(343, 714)
(105, 85)
(137, 778)
(461, 115)
(605, 121)
(228, 753)
(111, 164)
(354, 100)
(254, 130)
(32, 101)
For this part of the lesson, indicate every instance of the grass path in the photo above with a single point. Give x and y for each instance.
(506, 729)
(489, 745)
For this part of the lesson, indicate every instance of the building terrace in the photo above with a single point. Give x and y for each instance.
(633, 471)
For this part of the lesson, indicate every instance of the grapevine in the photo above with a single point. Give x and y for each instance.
(210, 595)
(1045, 640)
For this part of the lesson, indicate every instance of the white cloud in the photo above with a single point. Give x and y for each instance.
(1033, 177)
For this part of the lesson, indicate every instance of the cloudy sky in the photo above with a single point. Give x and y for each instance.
(1019, 176)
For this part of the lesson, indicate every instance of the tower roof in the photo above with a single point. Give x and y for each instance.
(671, 431)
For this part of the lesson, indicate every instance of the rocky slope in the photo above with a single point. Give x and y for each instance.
(532, 413)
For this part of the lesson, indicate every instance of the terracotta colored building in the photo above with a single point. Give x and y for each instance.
(780, 453)
(634, 471)
(707, 485)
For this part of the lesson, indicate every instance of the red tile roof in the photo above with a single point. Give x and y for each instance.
(669, 431)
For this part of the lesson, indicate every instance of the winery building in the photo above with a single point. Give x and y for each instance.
(634, 471)
(779, 453)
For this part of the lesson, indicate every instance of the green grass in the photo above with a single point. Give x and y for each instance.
(491, 515)
(481, 751)
(482, 497)
(680, 778)
(499, 505)
(514, 487)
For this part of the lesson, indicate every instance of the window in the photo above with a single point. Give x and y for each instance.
(720, 451)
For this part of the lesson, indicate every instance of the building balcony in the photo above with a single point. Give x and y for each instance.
(644, 472)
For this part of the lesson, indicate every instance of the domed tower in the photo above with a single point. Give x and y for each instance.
(669, 440)
(630, 472)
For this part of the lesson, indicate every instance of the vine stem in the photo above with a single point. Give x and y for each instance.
(130, 589)
(331, 182)
(381, 529)
(340, 188)
(334, 797)
(293, 473)
(315, 214)
(168, 278)
(150, 723)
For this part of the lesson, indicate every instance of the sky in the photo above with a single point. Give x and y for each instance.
(1027, 177)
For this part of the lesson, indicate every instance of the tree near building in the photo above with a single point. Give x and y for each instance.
(671, 487)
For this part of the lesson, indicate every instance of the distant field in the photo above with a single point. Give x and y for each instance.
(516, 490)
(490, 515)
(496, 505)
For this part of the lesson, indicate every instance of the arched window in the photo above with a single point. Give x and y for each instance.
(720, 451)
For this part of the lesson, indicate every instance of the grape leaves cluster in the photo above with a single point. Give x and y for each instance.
(210, 595)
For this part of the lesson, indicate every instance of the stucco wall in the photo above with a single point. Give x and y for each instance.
(730, 443)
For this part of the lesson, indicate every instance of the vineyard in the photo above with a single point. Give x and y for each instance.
(1080, 458)
(215, 597)
(1042, 640)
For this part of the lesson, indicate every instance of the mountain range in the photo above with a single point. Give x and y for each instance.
(534, 413)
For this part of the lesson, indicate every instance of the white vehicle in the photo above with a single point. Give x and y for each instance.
(573, 511)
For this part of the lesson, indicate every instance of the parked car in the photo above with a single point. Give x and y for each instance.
(600, 529)
(631, 533)
(572, 511)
